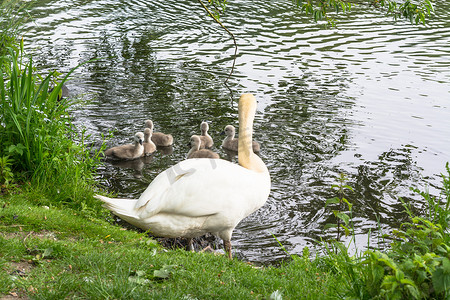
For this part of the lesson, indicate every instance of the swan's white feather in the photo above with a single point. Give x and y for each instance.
(202, 186)
(194, 197)
(121, 207)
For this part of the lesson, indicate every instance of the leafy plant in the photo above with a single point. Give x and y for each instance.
(414, 11)
(343, 218)
(417, 265)
(38, 136)
(6, 175)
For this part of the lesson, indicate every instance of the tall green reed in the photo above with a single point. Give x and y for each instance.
(33, 119)
(12, 16)
(38, 135)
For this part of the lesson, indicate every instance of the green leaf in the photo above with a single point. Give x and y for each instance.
(164, 272)
(382, 257)
(138, 277)
(16, 148)
(412, 289)
(441, 281)
(149, 243)
(348, 203)
(138, 280)
(348, 187)
(377, 273)
(334, 200)
(329, 225)
(343, 216)
(346, 229)
(47, 252)
(408, 264)
(399, 275)
(446, 265)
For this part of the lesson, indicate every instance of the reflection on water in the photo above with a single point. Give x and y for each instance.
(368, 99)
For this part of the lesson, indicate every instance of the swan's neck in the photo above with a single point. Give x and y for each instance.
(246, 157)
(229, 137)
(149, 124)
(194, 148)
(138, 148)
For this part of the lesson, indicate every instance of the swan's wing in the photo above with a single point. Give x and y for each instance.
(196, 187)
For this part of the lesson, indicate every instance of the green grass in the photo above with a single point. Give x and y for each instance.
(76, 256)
(67, 253)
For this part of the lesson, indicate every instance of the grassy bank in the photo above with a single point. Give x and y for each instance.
(58, 252)
(50, 253)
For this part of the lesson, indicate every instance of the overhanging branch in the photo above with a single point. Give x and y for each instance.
(228, 31)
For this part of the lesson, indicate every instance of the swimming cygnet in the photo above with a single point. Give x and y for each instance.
(149, 146)
(159, 138)
(230, 143)
(205, 138)
(196, 152)
(130, 151)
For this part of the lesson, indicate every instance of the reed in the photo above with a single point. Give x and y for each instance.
(38, 136)
(12, 16)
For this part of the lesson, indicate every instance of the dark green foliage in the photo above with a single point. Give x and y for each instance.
(6, 174)
(416, 265)
(38, 138)
(416, 12)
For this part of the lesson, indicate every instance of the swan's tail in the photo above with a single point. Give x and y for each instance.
(123, 208)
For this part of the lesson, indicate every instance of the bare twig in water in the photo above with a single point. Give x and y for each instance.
(234, 41)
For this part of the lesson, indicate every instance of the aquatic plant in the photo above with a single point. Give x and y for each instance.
(344, 219)
(415, 266)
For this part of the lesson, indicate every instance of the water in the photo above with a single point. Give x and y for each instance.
(369, 99)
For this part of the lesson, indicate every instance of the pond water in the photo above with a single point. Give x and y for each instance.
(369, 99)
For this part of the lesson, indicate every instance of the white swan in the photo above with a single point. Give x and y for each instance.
(197, 196)
(206, 140)
(230, 143)
(149, 146)
(159, 138)
(196, 152)
(130, 151)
